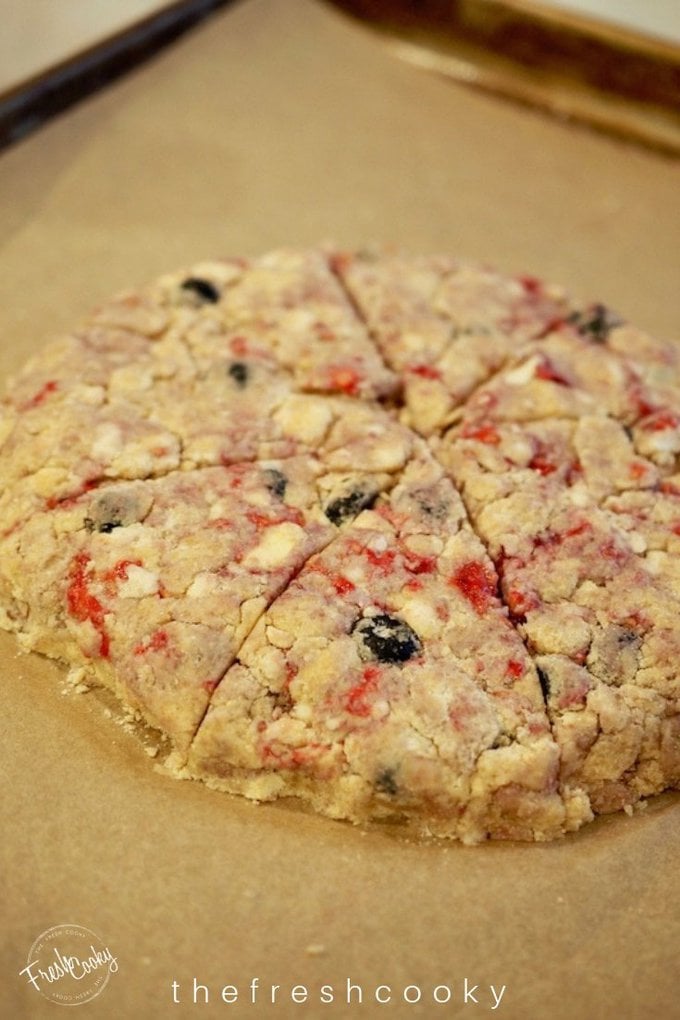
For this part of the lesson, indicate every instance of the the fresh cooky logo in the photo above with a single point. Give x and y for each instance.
(69, 964)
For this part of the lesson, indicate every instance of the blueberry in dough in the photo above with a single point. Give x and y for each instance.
(106, 527)
(346, 508)
(386, 639)
(385, 782)
(544, 681)
(204, 290)
(276, 482)
(596, 322)
(437, 509)
(116, 507)
(238, 371)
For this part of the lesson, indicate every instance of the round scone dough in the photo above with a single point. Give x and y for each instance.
(398, 536)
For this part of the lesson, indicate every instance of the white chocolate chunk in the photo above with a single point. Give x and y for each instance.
(275, 547)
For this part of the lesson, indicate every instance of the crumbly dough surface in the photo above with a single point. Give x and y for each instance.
(398, 536)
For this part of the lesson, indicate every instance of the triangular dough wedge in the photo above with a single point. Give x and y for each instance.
(387, 681)
(445, 325)
(584, 531)
(152, 585)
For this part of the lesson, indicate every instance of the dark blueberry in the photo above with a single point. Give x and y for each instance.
(625, 636)
(544, 681)
(103, 526)
(203, 289)
(238, 371)
(276, 482)
(117, 507)
(386, 783)
(386, 639)
(346, 508)
(437, 509)
(596, 322)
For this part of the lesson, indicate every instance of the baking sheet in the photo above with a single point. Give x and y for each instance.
(580, 68)
(39, 37)
(282, 123)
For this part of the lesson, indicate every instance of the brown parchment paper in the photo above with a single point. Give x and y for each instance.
(278, 122)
